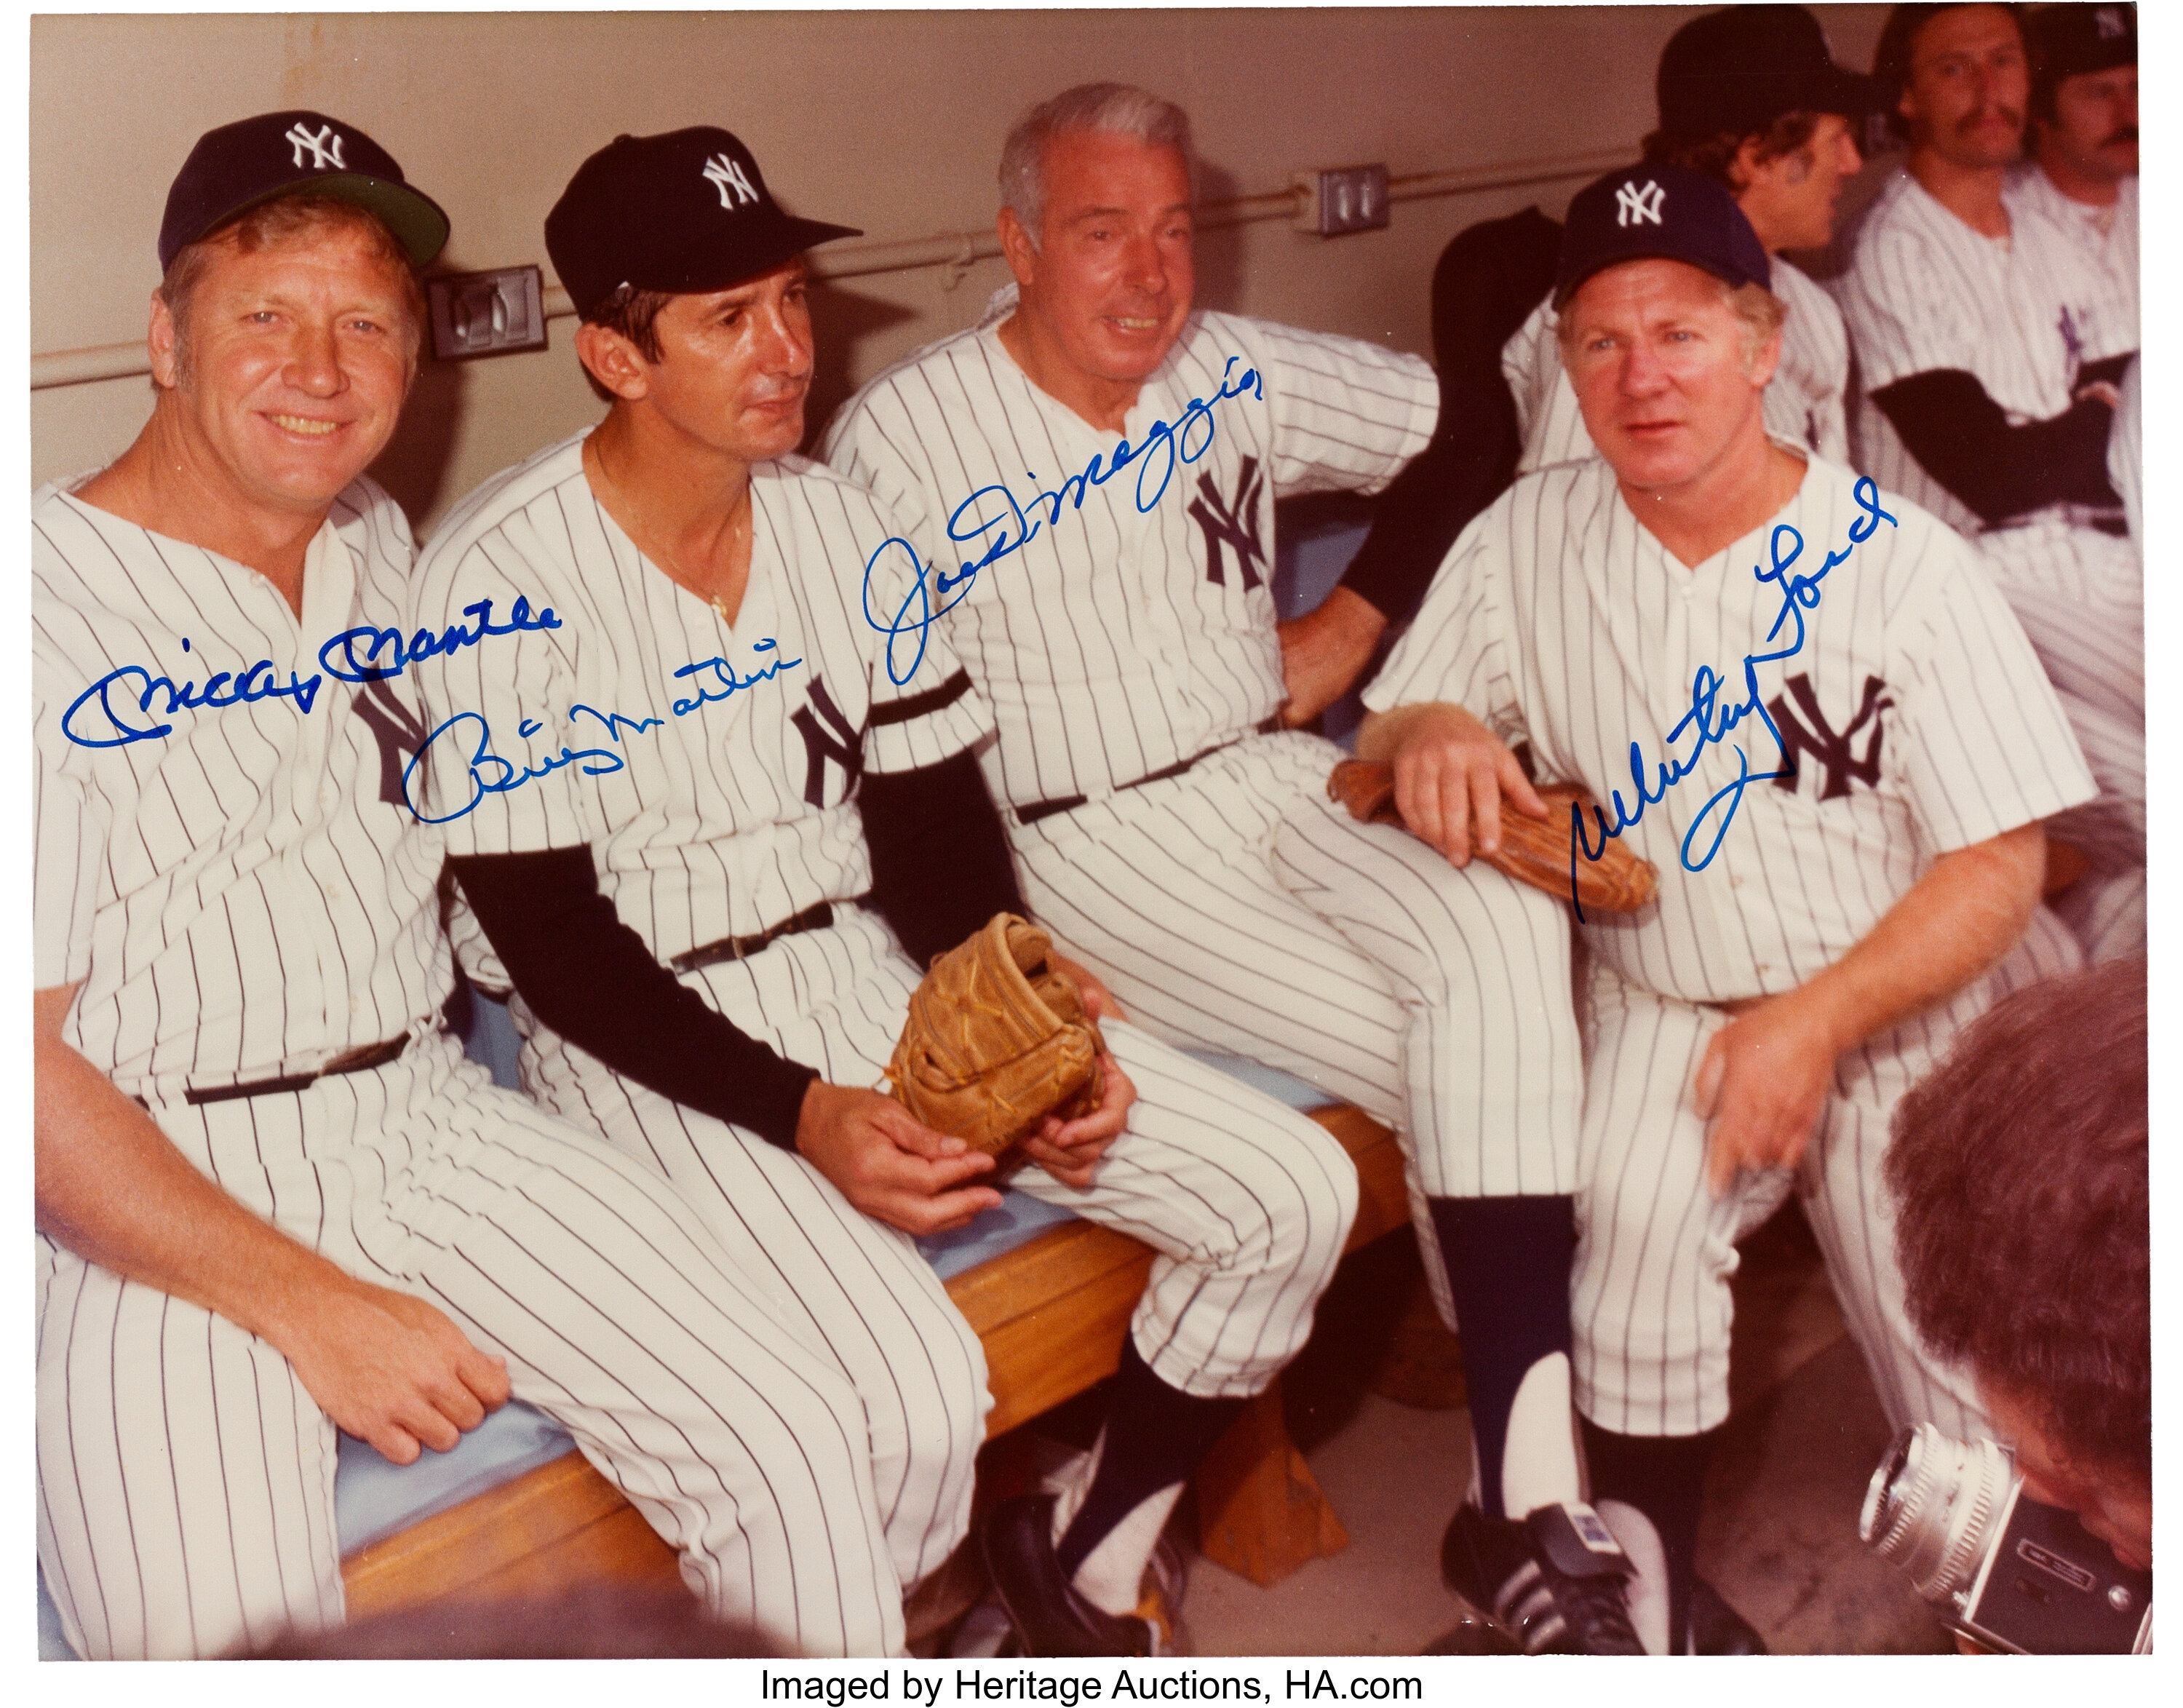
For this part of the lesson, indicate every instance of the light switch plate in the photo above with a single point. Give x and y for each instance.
(1338, 200)
(488, 313)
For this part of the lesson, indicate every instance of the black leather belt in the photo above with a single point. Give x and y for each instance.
(355, 1061)
(742, 948)
(1069, 804)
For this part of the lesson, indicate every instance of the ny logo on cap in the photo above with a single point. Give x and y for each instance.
(326, 147)
(2107, 21)
(724, 172)
(1635, 207)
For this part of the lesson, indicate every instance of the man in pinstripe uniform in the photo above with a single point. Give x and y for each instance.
(1752, 97)
(272, 1195)
(1089, 484)
(738, 805)
(1989, 345)
(1803, 701)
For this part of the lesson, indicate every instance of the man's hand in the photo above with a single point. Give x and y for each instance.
(1451, 773)
(388, 1368)
(1323, 652)
(1098, 1001)
(888, 1163)
(1763, 1083)
(2102, 391)
(1070, 1151)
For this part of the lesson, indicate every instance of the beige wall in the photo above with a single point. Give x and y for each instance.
(892, 121)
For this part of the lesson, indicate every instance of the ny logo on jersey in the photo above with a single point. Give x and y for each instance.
(2073, 340)
(726, 175)
(326, 147)
(1823, 742)
(1235, 527)
(398, 730)
(1637, 207)
(844, 745)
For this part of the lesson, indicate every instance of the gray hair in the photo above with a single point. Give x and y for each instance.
(1113, 109)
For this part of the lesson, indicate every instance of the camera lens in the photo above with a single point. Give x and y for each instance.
(1930, 1505)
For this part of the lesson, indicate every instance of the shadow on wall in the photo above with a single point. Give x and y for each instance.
(840, 318)
(1219, 254)
(413, 466)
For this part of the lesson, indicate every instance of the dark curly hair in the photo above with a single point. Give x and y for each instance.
(2019, 1168)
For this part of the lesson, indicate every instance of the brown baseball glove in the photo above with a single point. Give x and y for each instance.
(997, 1040)
(1534, 851)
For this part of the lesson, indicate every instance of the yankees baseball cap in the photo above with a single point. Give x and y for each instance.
(1645, 211)
(1737, 71)
(235, 168)
(684, 211)
(2070, 40)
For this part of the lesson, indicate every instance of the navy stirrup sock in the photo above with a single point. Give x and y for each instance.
(1155, 1437)
(1508, 1261)
(1664, 1477)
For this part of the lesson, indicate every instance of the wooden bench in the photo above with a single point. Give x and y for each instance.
(1051, 1313)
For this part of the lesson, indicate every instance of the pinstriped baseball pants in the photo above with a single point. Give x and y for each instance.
(1236, 908)
(2080, 595)
(1650, 1303)
(1247, 1203)
(187, 1476)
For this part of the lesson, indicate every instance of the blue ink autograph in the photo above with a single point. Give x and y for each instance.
(1710, 721)
(337, 658)
(1160, 448)
(490, 774)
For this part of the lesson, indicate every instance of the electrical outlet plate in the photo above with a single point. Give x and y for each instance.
(488, 313)
(1338, 200)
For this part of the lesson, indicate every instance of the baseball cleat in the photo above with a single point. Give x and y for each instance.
(1052, 1620)
(1555, 1582)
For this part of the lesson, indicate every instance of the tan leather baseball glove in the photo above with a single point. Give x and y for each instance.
(1533, 851)
(997, 1040)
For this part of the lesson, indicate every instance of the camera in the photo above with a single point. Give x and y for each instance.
(2009, 1572)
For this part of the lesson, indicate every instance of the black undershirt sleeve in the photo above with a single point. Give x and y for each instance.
(591, 979)
(1962, 438)
(940, 859)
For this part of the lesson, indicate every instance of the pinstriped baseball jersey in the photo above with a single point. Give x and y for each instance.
(2127, 452)
(241, 897)
(1804, 401)
(1913, 718)
(715, 766)
(1134, 627)
(2092, 251)
(1924, 291)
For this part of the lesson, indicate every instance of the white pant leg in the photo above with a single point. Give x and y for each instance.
(1493, 1069)
(186, 1478)
(1168, 893)
(1247, 1202)
(853, 1291)
(1650, 1307)
(615, 1310)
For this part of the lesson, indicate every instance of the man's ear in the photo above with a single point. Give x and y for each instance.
(160, 341)
(1016, 247)
(1743, 166)
(1765, 359)
(613, 360)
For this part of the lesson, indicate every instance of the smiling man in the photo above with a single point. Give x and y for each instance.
(714, 914)
(273, 1198)
(1172, 836)
(1990, 339)
(1853, 842)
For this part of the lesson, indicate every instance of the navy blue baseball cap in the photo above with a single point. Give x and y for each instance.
(235, 168)
(1668, 212)
(684, 211)
(1737, 71)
